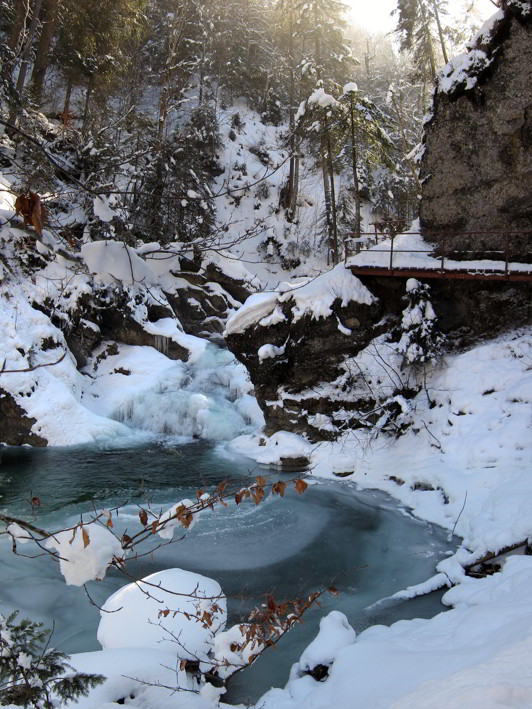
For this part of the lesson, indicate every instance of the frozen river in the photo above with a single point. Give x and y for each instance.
(331, 535)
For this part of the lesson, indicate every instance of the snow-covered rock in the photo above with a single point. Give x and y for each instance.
(172, 610)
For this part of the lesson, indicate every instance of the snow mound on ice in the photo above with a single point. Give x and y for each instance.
(136, 615)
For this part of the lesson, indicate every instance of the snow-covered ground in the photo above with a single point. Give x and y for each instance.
(464, 463)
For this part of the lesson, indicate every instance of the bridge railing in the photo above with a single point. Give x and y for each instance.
(442, 250)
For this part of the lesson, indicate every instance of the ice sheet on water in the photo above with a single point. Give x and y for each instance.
(248, 536)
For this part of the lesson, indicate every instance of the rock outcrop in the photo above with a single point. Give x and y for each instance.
(476, 168)
(295, 345)
(309, 372)
(16, 425)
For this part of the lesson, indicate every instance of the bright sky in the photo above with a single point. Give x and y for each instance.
(375, 14)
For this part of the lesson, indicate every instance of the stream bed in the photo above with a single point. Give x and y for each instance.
(362, 543)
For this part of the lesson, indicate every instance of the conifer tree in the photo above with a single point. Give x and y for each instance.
(420, 29)
(31, 673)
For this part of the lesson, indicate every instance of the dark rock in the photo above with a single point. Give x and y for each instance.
(467, 311)
(294, 464)
(201, 312)
(16, 425)
(319, 672)
(238, 289)
(422, 486)
(314, 351)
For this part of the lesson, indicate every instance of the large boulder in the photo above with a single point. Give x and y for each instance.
(476, 169)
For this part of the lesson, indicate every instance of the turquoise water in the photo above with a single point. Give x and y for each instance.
(331, 535)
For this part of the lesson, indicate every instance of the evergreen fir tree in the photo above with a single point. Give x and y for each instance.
(420, 341)
(31, 673)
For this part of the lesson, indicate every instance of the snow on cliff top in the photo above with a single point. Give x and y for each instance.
(313, 297)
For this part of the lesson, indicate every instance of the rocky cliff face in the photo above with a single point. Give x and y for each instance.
(318, 373)
(298, 347)
(477, 165)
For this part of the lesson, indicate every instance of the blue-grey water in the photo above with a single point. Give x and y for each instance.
(360, 542)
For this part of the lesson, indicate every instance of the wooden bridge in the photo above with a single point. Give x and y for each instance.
(378, 254)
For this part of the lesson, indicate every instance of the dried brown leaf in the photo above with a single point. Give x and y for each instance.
(301, 486)
(73, 535)
(279, 488)
(86, 538)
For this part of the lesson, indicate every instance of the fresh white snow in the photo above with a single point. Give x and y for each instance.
(470, 447)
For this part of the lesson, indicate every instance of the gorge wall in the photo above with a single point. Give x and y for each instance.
(476, 169)
(320, 371)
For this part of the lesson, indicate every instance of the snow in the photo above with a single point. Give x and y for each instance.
(102, 209)
(85, 553)
(463, 70)
(483, 36)
(256, 307)
(476, 448)
(473, 448)
(136, 615)
(310, 297)
(350, 87)
(267, 351)
(116, 259)
(335, 633)
(125, 669)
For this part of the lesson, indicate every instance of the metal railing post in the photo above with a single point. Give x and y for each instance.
(391, 250)
(507, 256)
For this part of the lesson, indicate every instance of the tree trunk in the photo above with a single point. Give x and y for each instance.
(45, 41)
(327, 198)
(293, 178)
(68, 94)
(440, 31)
(358, 206)
(295, 189)
(88, 95)
(428, 41)
(22, 11)
(334, 221)
(26, 56)
(406, 146)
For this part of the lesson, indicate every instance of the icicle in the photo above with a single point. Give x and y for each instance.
(161, 344)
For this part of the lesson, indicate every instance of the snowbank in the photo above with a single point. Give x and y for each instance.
(313, 298)
(464, 465)
(479, 651)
